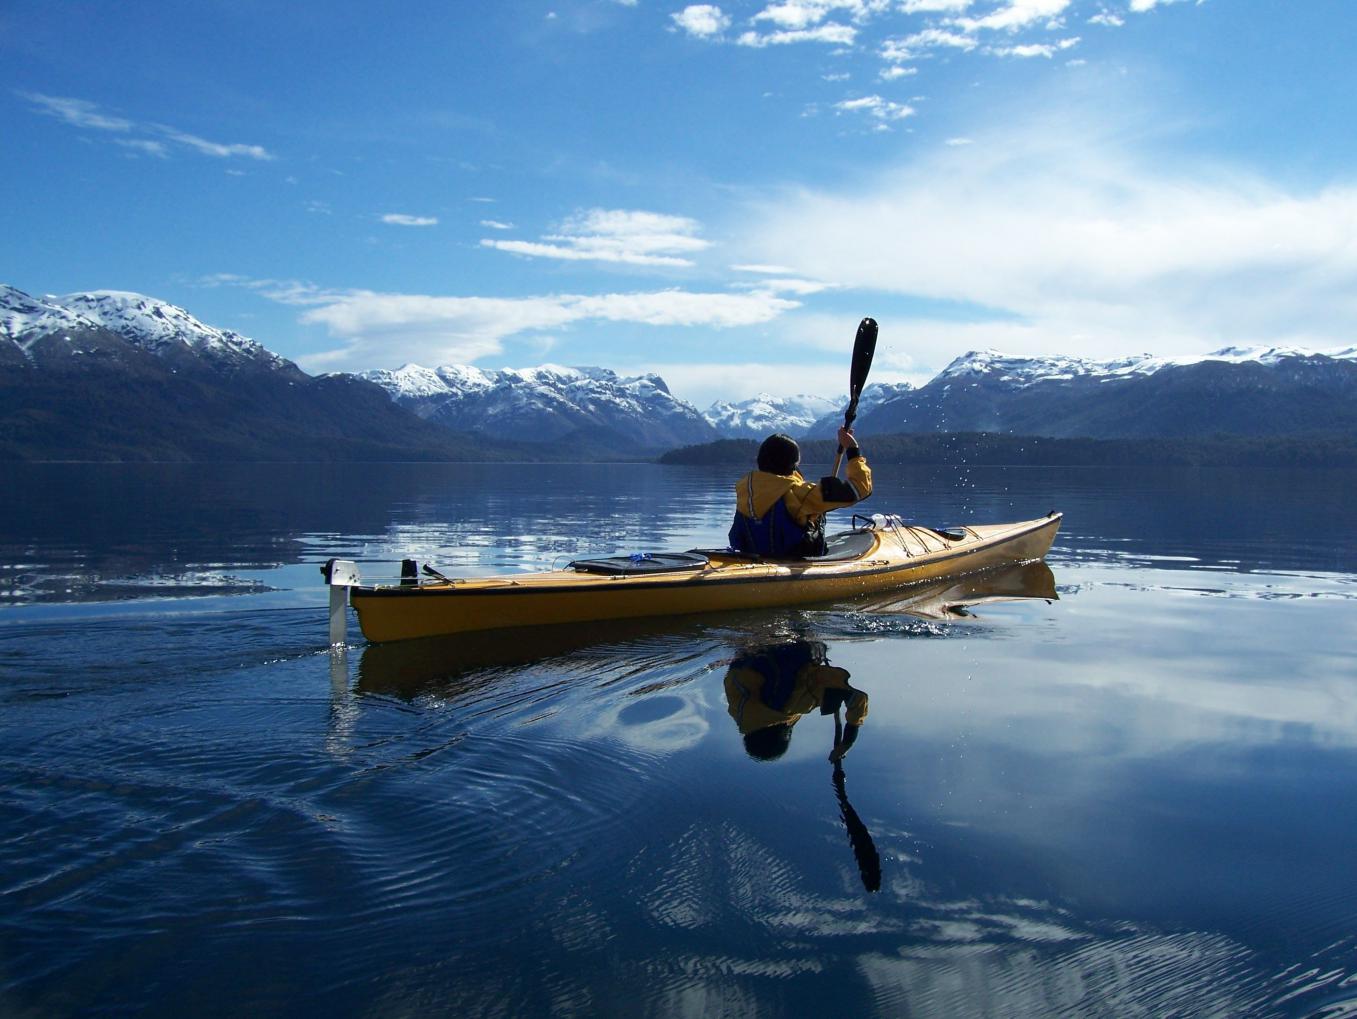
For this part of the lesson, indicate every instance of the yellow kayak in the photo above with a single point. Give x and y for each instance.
(886, 554)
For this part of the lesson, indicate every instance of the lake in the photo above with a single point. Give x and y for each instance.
(1127, 788)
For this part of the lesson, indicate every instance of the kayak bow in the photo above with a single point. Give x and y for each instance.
(882, 556)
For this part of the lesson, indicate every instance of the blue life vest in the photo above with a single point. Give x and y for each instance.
(779, 665)
(776, 534)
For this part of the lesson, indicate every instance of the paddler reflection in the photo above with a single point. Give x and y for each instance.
(771, 688)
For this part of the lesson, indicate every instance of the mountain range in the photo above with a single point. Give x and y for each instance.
(1257, 391)
(118, 376)
(112, 375)
(548, 404)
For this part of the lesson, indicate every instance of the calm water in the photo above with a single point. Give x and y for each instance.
(1136, 798)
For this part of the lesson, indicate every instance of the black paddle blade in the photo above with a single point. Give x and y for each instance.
(864, 347)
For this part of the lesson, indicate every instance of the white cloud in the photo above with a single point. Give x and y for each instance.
(795, 15)
(1141, 6)
(1061, 239)
(216, 149)
(494, 224)
(934, 6)
(911, 46)
(896, 72)
(77, 112)
(1017, 14)
(771, 270)
(703, 21)
(882, 110)
(1046, 50)
(145, 145)
(1107, 18)
(401, 219)
(86, 115)
(838, 35)
(379, 330)
(615, 235)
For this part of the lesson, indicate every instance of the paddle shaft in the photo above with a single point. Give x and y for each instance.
(864, 347)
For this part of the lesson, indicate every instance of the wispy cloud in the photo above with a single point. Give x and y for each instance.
(387, 330)
(1035, 49)
(934, 6)
(615, 235)
(391, 329)
(494, 224)
(209, 148)
(1014, 15)
(910, 47)
(798, 14)
(148, 138)
(883, 111)
(77, 112)
(1141, 6)
(837, 35)
(402, 219)
(1059, 231)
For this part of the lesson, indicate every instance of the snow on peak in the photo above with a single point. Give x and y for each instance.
(764, 414)
(156, 325)
(1025, 371)
(1271, 355)
(24, 318)
(1020, 372)
(409, 380)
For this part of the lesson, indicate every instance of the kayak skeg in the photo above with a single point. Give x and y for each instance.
(884, 554)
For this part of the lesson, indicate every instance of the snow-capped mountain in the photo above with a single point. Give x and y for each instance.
(873, 396)
(1019, 372)
(1237, 390)
(764, 414)
(117, 376)
(77, 323)
(547, 403)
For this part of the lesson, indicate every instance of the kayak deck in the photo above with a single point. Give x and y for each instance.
(891, 557)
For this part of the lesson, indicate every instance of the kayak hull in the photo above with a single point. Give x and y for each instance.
(896, 558)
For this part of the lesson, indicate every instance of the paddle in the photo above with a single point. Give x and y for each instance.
(864, 346)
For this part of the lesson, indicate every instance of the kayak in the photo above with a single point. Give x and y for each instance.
(883, 554)
(456, 664)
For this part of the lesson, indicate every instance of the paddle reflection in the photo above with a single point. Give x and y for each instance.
(770, 688)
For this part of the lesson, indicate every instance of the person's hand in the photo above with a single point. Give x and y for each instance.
(846, 439)
(836, 755)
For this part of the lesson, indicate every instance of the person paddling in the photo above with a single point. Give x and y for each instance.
(781, 515)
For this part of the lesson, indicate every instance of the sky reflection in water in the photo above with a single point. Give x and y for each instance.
(1135, 799)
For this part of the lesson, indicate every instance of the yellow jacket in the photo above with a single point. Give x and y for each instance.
(756, 492)
(815, 685)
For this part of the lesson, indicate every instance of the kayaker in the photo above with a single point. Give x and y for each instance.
(780, 514)
(770, 688)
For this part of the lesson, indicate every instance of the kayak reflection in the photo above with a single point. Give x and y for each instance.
(772, 687)
(956, 596)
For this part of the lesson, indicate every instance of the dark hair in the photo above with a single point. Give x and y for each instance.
(769, 743)
(779, 454)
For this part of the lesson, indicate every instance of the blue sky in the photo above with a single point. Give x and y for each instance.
(717, 192)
